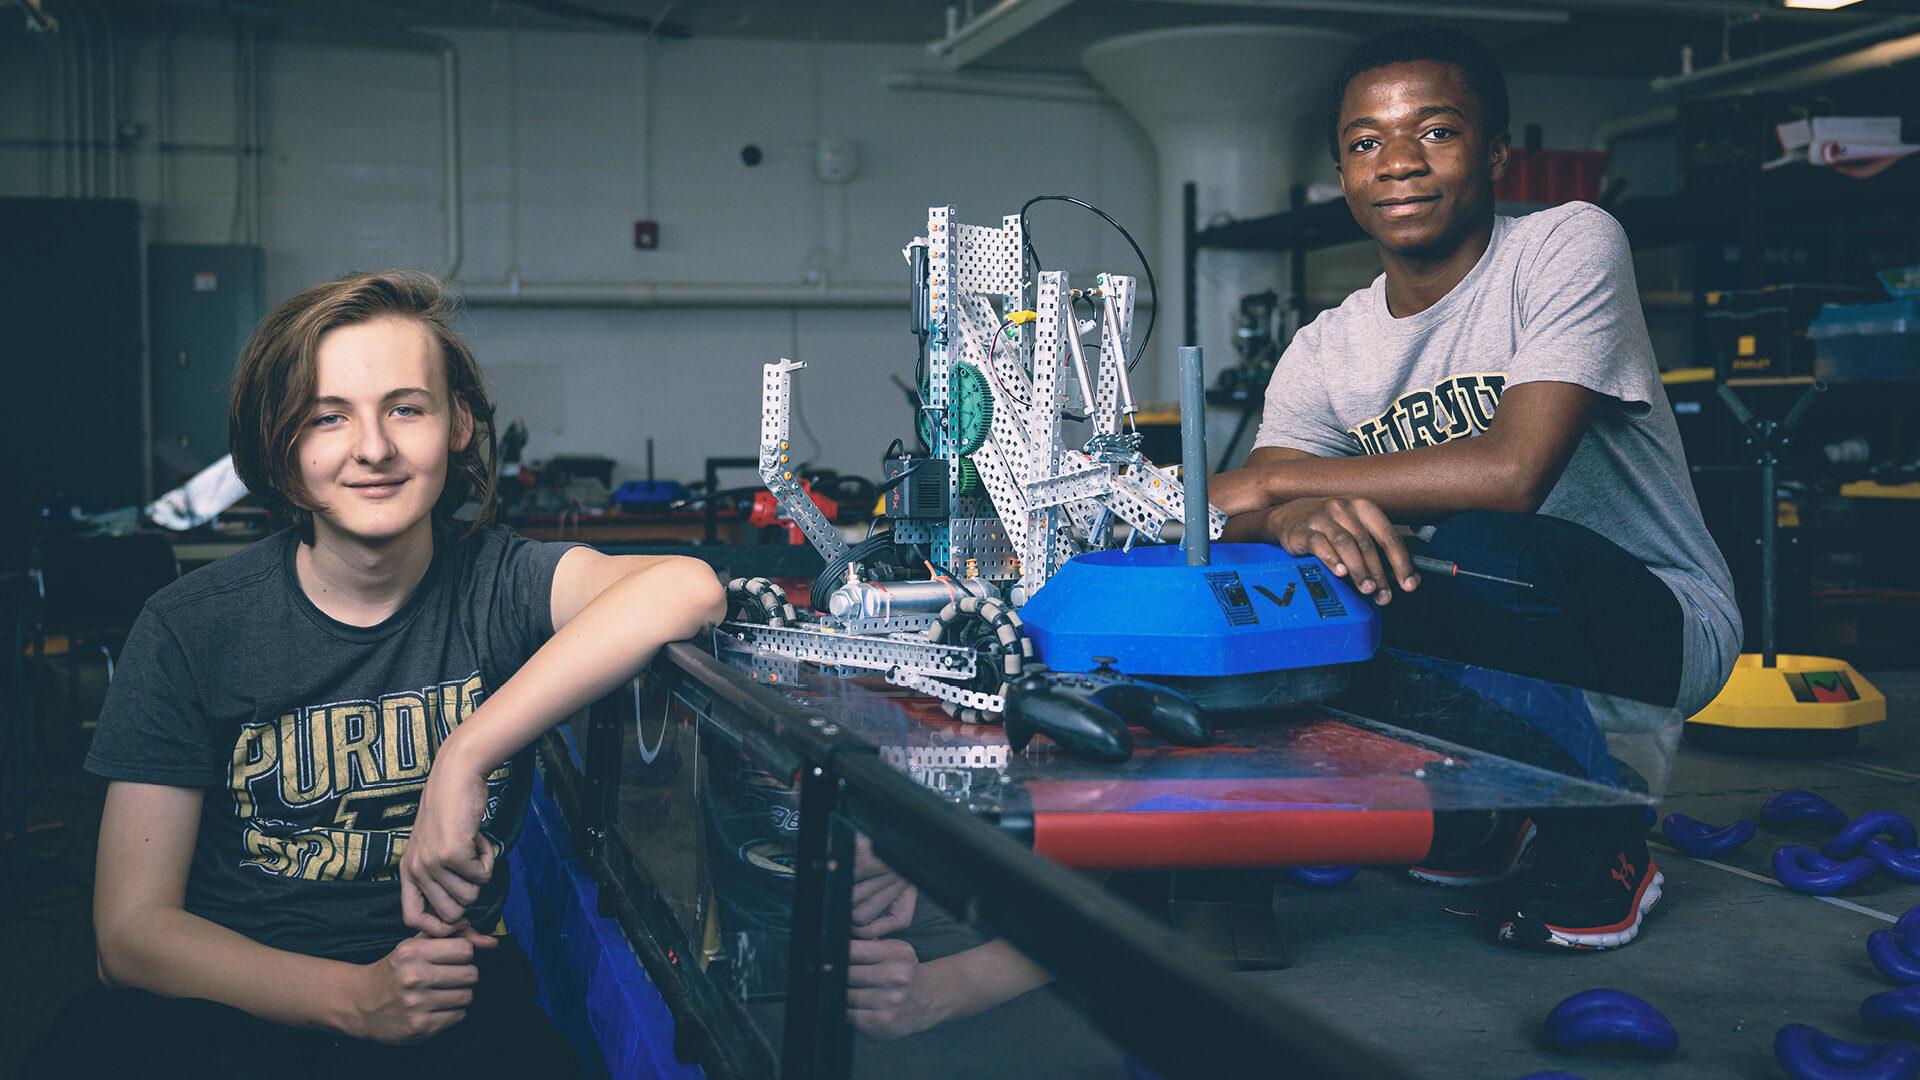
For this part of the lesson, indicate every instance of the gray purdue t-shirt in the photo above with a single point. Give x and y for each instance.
(313, 738)
(1552, 300)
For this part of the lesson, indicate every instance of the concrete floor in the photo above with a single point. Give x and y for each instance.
(1729, 955)
(1727, 958)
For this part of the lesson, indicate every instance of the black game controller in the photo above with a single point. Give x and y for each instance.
(1088, 714)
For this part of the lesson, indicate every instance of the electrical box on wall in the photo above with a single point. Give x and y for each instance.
(204, 301)
(646, 235)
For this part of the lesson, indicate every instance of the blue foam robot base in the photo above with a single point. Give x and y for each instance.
(1255, 608)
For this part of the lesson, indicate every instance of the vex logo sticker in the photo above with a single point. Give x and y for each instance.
(1325, 600)
(1231, 595)
(1820, 686)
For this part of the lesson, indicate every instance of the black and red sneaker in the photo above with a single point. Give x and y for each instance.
(1582, 897)
(1494, 859)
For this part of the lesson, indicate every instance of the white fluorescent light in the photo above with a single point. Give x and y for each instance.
(1818, 5)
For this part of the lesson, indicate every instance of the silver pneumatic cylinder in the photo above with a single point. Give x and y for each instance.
(877, 600)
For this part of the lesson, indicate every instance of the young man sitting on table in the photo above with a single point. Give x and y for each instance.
(317, 747)
(1494, 390)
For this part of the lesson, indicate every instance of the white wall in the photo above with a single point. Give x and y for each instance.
(610, 129)
(566, 140)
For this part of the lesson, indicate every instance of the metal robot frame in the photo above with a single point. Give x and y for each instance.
(1018, 501)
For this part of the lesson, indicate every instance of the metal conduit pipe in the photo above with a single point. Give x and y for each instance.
(450, 147)
(113, 105)
(1885, 54)
(163, 96)
(74, 117)
(83, 103)
(992, 27)
(449, 99)
(681, 294)
(236, 233)
(1877, 32)
(43, 122)
(675, 294)
(256, 136)
(70, 113)
(1396, 8)
(1025, 87)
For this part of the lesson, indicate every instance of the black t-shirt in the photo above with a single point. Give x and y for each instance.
(313, 738)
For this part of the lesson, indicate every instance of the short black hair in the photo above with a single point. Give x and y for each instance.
(1425, 41)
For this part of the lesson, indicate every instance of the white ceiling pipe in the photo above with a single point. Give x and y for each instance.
(991, 29)
(1025, 87)
(677, 294)
(651, 294)
(1885, 54)
(1878, 32)
(1236, 110)
(1394, 7)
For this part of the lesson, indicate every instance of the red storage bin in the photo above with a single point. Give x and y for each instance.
(1552, 177)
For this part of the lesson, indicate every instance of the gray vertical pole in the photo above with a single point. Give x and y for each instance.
(1193, 454)
(1769, 557)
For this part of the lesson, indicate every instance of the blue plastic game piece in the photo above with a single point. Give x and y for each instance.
(1899, 862)
(1896, 1012)
(1321, 877)
(1910, 920)
(1701, 840)
(1805, 870)
(1896, 954)
(1613, 1018)
(1873, 823)
(1809, 1054)
(1792, 807)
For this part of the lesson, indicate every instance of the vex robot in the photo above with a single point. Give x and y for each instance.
(1014, 543)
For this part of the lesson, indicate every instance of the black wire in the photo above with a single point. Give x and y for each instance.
(1025, 403)
(1152, 285)
(834, 573)
(855, 492)
(903, 474)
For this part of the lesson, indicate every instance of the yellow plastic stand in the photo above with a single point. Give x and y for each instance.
(1806, 693)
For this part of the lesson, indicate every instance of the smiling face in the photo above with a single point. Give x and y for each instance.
(1416, 163)
(374, 449)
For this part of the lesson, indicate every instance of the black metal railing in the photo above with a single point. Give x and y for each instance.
(1181, 1013)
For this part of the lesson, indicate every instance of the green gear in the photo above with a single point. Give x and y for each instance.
(970, 402)
(969, 476)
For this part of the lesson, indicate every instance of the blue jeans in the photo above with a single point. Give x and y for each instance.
(1596, 617)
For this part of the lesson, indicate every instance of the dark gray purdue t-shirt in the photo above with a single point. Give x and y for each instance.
(313, 738)
(1552, 300)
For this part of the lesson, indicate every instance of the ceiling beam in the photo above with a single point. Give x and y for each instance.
(991, 29)
(1394, 7)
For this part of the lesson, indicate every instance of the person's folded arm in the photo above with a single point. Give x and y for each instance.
(892, 994)
(611, 614)
(1511, 466)
(145, 938)
(1344, 509)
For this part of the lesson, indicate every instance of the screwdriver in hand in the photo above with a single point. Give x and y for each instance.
(1428, 565)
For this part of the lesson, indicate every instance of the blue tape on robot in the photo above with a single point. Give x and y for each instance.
(1254, 608)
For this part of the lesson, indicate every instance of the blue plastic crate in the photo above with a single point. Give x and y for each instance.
(1867, 342)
